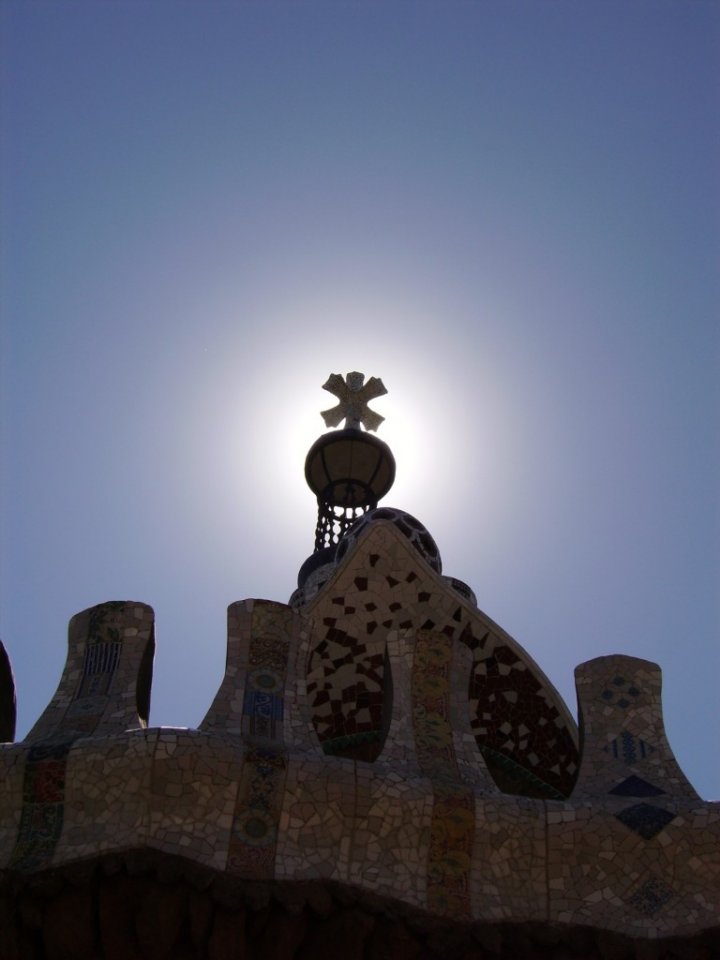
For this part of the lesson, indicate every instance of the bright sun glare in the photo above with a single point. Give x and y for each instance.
(444, 452)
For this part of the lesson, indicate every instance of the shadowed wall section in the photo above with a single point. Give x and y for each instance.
(7, 698)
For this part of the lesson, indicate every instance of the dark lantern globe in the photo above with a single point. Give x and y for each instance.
(350, 469)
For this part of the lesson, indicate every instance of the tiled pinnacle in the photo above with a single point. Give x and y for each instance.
(105, 686)
(625, 750)
(259, 699)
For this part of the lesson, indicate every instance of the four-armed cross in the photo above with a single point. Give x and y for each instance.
(353, 397)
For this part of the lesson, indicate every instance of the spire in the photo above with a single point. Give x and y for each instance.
(348, 470)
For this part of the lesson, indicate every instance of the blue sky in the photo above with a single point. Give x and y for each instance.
(508, 211)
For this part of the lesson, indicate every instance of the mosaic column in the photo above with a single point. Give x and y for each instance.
(261, 697)
(430, 738)
(264, 645)
(398, 750)
(434, 700)
(429, 733)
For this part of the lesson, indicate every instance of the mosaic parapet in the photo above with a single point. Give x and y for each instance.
(634, 869)
(431, 842)
(384, 736)
(7, 698)
(106, 681)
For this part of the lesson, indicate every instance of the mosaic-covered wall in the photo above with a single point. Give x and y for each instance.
(380, 734)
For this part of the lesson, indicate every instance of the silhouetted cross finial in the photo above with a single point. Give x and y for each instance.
(354, 398)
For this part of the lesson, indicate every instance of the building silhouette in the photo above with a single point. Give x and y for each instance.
(383, 773)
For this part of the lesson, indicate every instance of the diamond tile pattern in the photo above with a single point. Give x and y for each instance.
(636, 787)
(646, 819)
